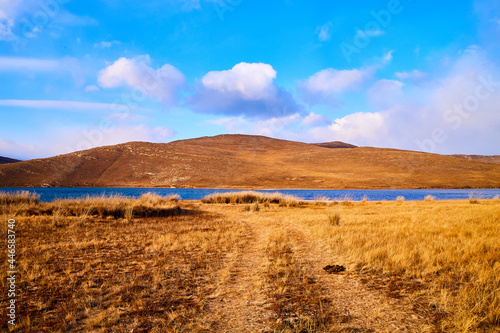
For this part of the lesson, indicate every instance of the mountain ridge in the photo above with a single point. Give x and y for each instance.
(245, 161)
(5, 160)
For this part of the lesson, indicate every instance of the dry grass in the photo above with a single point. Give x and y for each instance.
(19, 197)
(294, 295)
(443, 255)
(429, 198)
(148, 205)
(86, 267)
(333, 218)
(89, 273)
(247, 197)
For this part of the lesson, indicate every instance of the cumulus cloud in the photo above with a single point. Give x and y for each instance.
(324, 86)
(324, 32)
(457, 113)
(247, 89)
(361, 128)
(163, 84)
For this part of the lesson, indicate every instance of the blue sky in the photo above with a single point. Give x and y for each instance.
(415, 75)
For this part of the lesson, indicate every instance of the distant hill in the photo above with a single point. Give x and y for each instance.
(335, 144)
(4, 160)
(245, 161)
(483, 158)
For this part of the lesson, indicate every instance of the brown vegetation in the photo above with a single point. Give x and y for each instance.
(428, 266)
(250, 162)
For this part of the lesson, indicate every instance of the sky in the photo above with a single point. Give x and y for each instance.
(406, 74)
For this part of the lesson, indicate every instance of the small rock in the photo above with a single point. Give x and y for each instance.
(334, 269)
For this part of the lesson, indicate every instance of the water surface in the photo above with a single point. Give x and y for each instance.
(51, 194)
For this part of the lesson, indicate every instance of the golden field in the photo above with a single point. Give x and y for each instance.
(253, 264)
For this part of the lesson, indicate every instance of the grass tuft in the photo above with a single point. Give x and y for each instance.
(19, 197)
(429, 198)
(333, 218)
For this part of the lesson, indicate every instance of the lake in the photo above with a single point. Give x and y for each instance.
(51, 194)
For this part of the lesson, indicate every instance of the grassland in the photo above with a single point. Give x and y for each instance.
(253, 263)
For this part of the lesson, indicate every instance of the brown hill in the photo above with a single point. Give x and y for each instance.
(241, 161)
(5, 160)
(483, 158)
(334, 144)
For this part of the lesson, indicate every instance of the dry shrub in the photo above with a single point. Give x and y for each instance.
(248, 197)
(148, 205)
(333, 218)
(321, 200)
(19, 197)
(473, 198)
(429, 198)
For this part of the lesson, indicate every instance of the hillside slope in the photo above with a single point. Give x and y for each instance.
(483, 158)
(241, 161)
(5, 160)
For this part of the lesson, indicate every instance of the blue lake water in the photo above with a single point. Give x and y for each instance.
(51, 194)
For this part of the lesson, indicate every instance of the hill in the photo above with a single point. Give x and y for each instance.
(5, 160)
(335, 144)
(483, 158)
(243, 161)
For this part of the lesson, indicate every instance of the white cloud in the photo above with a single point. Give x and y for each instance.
(62, 140)
(27, 64)
(55, 66)
(384, 94)
(105, 44)
(457, 113)
(369, 33)
(324, 32)
(164, 83)
(248, 81)
(272, 127)
(388, 57)
(25, 19)
(246, 89)
(313, 119)
(9, 12)
(415, 76)
(324, 86)
(361, 128)
(65, 105)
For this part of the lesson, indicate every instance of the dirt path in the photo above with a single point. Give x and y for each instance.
(366, 310)
(239, 302)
